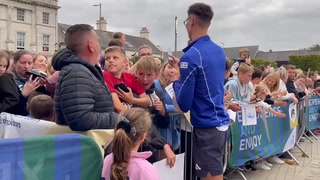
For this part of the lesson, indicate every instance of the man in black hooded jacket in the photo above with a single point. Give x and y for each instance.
(82, 100)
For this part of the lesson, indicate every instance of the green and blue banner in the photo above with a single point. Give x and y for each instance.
(313, 113)
(271, 135)
(59, 157)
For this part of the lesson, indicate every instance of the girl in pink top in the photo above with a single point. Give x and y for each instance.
(125, 163)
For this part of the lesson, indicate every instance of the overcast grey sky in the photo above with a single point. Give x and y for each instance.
(271, 24)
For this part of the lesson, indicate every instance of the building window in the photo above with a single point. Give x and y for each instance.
(20, 14)
(21, 40)
(45, 45)
(45, 18)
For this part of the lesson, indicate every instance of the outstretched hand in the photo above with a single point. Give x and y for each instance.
(173, 61)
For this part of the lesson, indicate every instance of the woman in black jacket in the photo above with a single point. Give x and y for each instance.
(15, 88)
(9, 94)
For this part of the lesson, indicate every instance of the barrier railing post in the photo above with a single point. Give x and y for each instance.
(302, 124)
(313, 135)
(294, 158)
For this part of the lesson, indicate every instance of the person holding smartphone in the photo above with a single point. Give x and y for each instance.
(122, 85)
(26, 83)
(244, 58)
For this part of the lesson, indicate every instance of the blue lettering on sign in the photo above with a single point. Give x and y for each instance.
(10, 123)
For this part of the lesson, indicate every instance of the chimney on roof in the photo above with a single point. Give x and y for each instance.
(270, 50)
(144, 33)
(102, 24)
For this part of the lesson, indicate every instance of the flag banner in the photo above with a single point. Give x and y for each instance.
(313, 112)
(271, 135)
(69, 156)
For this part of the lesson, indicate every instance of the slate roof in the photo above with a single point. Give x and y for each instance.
(133, 42)
(231, 52)
(280, 56)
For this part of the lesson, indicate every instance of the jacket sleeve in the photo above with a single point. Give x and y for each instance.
(51, 83)
(231, 86)
(157, 141)
(234, 68)
(184, 88)
(9, 93)
(292, 89)
(77, 100)
(162, 121)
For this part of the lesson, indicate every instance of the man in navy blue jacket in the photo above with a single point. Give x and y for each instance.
(200, 90)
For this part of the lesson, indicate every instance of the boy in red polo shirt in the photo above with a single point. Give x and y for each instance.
(115, 58)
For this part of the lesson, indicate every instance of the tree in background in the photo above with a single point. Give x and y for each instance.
(257, 62)
(306, 62)
(315, 47)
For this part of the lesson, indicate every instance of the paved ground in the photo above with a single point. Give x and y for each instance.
(308, 169)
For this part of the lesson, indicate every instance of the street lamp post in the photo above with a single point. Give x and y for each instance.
(222, 45)
(176, 35)
(99, 15)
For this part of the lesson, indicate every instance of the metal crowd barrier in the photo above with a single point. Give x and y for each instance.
(186, 143)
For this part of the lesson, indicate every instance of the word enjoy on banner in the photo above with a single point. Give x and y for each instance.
(268, 135)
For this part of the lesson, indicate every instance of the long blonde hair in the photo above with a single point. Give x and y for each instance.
(276, 77)
(283, 73)
(133, 124)
(164, 82)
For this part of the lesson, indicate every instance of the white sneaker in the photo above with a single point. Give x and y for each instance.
(261, 166)
(275, 160)
(267, 164)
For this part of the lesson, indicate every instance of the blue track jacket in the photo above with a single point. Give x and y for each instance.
(200, 88)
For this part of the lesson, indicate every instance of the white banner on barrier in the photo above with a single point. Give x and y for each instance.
(14, 126)
(174, 173)
(249, 115)
(291, 140)
(169, 89)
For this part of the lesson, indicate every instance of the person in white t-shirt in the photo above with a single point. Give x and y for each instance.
(261, 91)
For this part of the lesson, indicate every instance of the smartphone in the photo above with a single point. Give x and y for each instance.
(247, 55)
(121, 86)
(35, 74)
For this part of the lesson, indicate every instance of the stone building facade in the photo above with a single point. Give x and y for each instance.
(30, 25)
